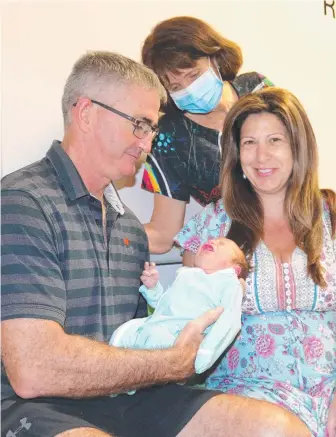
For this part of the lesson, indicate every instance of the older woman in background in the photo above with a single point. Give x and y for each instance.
(273, 208)
(199, 68)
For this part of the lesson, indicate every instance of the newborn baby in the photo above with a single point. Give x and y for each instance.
(212, 283)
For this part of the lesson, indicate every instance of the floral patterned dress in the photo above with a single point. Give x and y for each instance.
(286, 351)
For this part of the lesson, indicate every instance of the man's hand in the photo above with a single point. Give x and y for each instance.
(150, 275)
(190, 338)
(331, 424)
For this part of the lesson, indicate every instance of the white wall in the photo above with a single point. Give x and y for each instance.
(292, 42)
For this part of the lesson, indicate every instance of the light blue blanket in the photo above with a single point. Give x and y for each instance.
(192, 293)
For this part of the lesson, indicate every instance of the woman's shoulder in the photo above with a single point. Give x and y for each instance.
(173, 122)
(250, 82)
(172, 136)
(329, 211)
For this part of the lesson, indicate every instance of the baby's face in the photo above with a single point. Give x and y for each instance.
(216, 254)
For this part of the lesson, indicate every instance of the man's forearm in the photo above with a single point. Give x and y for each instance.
(73, 366)
(89, 368)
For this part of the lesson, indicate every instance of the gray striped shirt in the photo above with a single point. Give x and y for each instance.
(56, 264)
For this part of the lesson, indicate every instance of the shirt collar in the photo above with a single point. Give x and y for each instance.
(113, 199)
(71, 180)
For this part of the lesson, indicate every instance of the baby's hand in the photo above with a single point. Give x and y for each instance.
(150, 276)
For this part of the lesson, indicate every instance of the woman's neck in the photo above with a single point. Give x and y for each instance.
(273, 206)
(229, 97)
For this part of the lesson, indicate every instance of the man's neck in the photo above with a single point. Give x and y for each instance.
(85, 166)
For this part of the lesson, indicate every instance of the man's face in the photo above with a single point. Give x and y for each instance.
(115, 149)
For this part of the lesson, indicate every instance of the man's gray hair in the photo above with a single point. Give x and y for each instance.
(95, 71)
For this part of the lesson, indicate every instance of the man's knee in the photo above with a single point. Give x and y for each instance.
(84, 432)
(236, 415)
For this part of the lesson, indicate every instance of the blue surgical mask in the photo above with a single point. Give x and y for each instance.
(201, 96)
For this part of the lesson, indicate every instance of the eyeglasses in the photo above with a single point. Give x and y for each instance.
(141, 128)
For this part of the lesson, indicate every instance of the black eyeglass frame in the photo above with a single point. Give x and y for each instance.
(134, 121)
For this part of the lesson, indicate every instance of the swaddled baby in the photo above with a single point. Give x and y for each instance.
(213, 282)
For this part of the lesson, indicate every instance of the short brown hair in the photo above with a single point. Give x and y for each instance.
(180, 41)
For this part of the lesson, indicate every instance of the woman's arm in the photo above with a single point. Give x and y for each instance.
(167, 219)
(188, 259)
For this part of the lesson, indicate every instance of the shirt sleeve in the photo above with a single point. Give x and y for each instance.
(211, 222)
(32, 280)
(328, 224)
(265, 82)
(152, 295)
(251, 82)
(164, 172)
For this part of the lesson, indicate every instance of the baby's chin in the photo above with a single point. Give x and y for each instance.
(208, 266)
(199, 262)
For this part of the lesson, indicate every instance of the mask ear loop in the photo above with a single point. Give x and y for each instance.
(210, 66)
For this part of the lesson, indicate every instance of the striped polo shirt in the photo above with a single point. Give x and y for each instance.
(57, 262)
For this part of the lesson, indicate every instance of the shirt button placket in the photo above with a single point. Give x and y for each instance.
(286, 277)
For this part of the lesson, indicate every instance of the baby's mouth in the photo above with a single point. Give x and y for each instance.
(208, 247)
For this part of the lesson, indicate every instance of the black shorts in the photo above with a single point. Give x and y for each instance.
(160, 411)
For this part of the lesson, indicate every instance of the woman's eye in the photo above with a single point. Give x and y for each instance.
(193, 74)
(275, 139)
(247, 143)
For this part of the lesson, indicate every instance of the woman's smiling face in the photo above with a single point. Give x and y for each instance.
(265, 153)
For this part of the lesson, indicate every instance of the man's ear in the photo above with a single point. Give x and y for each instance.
(80, 113)
(238, 270)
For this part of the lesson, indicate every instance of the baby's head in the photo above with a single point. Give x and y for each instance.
(221, 253)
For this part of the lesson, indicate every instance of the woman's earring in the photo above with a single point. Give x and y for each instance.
(244, 176)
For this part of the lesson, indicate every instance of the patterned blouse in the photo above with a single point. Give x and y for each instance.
(185, 157)
(286, 351)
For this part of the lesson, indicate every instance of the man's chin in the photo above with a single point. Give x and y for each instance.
(126, 178)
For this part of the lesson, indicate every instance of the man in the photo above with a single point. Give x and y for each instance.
(72, 256)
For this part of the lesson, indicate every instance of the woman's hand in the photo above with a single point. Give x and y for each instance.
(331, 424)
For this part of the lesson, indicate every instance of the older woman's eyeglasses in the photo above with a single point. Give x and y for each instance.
(141, 128)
